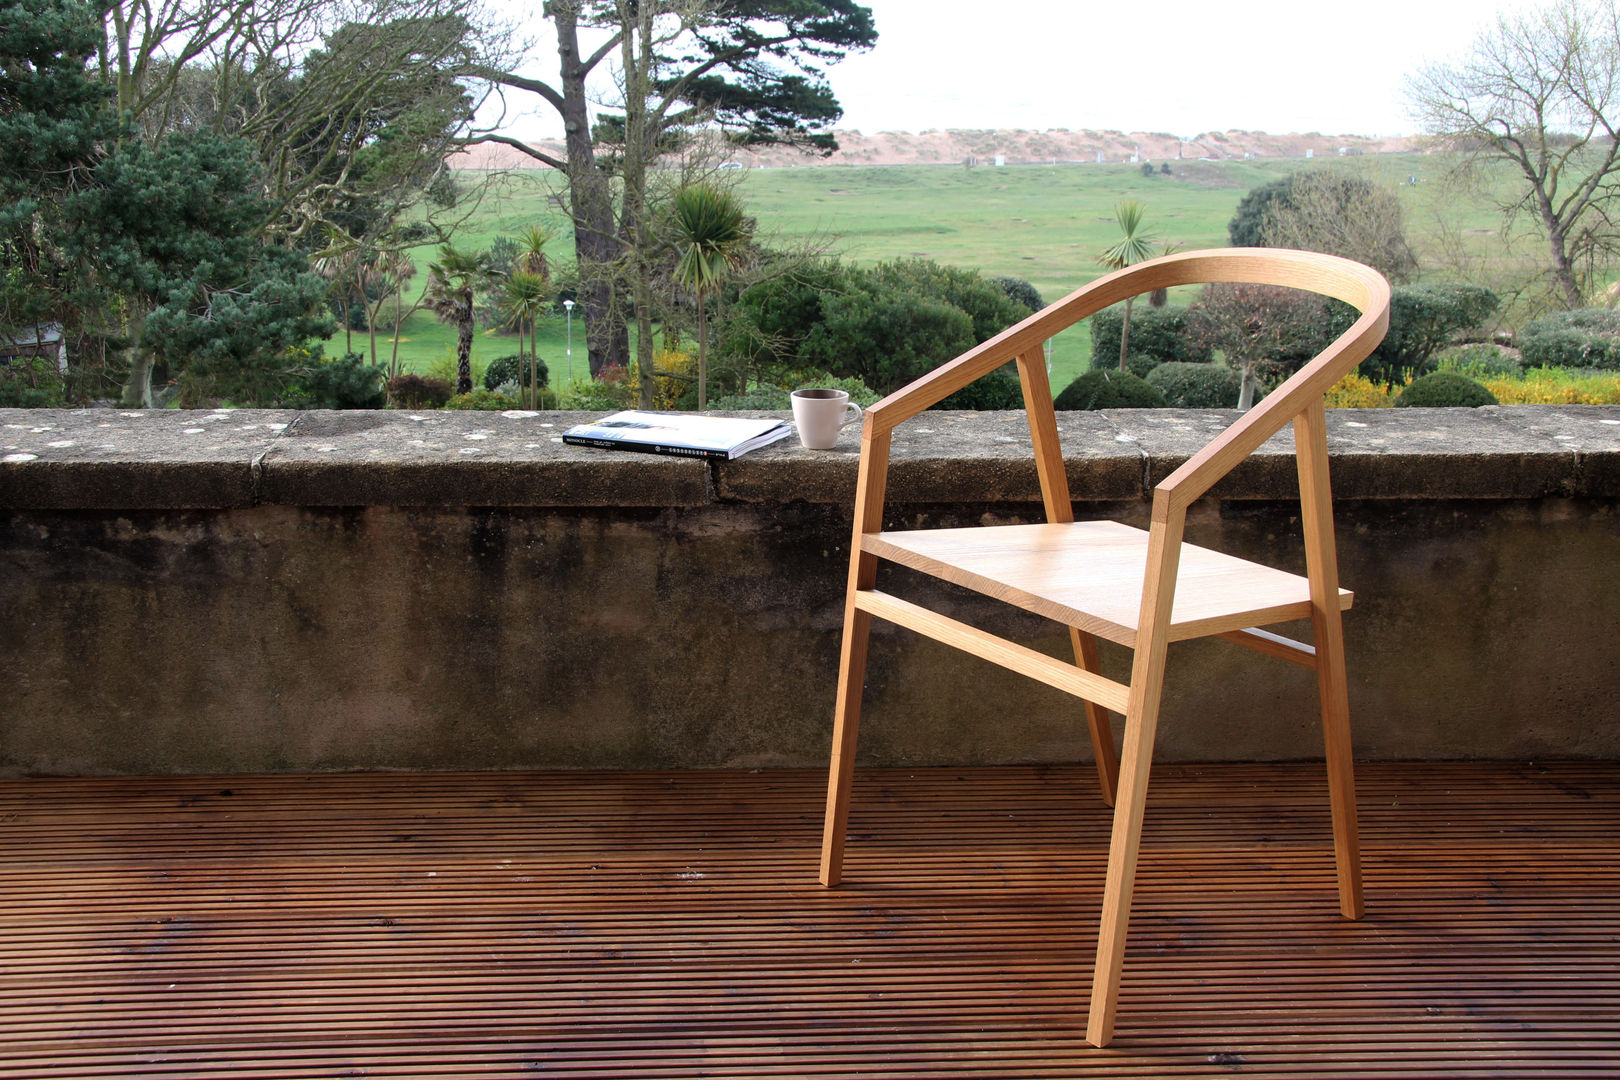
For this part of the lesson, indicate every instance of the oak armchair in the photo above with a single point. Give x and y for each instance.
(1141, 589)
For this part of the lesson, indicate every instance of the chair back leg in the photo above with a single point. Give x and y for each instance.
(1097, 719)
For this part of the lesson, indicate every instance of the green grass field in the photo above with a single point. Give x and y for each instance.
(1043, 223)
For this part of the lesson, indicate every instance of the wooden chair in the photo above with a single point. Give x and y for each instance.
(1142, 589)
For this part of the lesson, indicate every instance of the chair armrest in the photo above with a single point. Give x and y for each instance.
(1306, 386)
(977, 362)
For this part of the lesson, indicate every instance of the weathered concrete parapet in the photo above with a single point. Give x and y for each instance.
(103, 459)
(254, 590)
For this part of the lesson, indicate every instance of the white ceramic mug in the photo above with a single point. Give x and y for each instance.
(821, 414)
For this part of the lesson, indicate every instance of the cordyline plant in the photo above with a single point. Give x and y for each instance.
(711, 232)
(1134, 246)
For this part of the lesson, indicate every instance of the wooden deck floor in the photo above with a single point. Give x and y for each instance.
(669, 925)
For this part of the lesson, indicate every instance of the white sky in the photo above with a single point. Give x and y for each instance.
(1176, 66)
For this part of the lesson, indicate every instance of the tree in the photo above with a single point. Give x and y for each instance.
(1539, 91)
(710, 231)
(752, 67)
(53, 121)
(1257, 326)
(1340, 213)
(1328, 210)
(1423, 319)
(173, 228)
(525, 295)
(1133, 246)
(351, 108)
(1247, 227)
(453, 283)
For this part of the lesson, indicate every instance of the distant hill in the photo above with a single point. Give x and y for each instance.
(1016, 147)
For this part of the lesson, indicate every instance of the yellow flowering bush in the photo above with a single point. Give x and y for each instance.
(1356, 391)
(1550, 386)
(667, 387)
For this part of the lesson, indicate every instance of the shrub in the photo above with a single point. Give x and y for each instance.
(1101, 389)
(1247, 227)
(349, 383)
(887, 340)
(1604, 321)
(1479, 361)
(32, 383)
(778, 397)
(412, 391)
(1423, 320)
(514, 369)
(446, 366)
(769, 397)
(1138, 364)
(1328, 210)
(1444, 389)
(1356, 391)
(15, 394)
(492, 401)
(997, 390)
(612, 391)
(1585, 337)
(1158, 336)
(885, 325)
(1020, 291)
(1197, 386)
(675, 381)
(1554, 386)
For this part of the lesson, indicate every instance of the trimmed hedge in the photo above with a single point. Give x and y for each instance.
(1100, 389)
(1158, 336)
(1583, 338)
(514, 369)
(1444, 389)
(1197, 386)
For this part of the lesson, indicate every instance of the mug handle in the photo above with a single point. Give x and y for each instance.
(848, 419)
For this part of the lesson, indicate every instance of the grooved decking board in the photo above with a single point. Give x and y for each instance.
(670, 925)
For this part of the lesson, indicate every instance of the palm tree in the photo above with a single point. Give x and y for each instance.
(710, 233)
(336, 264)
(452, 281)
(1131, 248)
(401, 269)
(532, 251)
(525, 294)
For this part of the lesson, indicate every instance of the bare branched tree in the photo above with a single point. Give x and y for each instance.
(1538, 90)
(353, 105)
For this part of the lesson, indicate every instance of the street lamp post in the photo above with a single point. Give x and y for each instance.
(568, 306)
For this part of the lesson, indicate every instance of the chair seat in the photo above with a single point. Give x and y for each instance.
(1089, 574)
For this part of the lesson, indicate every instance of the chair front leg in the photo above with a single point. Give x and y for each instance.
(846, 728)
(1136, 760)
(1333, 685)
(1327, 624)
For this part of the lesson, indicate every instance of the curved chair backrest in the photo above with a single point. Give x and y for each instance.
(1359, 286)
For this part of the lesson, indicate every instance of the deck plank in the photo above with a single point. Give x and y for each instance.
(670, 925)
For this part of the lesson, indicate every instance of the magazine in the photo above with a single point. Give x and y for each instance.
(679, 434)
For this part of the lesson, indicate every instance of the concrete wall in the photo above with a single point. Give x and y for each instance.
(244, 591)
